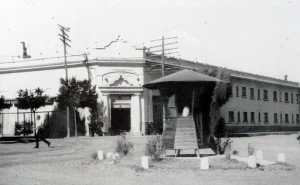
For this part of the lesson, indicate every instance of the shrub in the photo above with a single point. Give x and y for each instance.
(251, 149)
(154, 148)
(123, 145)
(25, 129)
(235, 152)
(222, 144)
(95, 155)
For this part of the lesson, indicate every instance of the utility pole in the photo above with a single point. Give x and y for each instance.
(163, 49)
(162, 56)
(86, 60)
(64, 37)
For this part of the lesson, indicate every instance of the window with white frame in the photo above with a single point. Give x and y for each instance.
(244, 92)
(286, 120)
(275, 96)
(265, 95)
(245, 117)
(252, 118)
(275, 118)
(286, 97)
(230, 117)
(266, 118)
(252, 93)
(258, 94)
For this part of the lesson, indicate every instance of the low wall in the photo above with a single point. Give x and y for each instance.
(261, 128)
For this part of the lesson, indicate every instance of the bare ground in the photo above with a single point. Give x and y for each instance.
(71, 161)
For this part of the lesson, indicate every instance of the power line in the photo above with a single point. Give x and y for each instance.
(164, 39)
(163, 49)
(47, 58)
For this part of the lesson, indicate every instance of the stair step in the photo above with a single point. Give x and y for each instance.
(184, 136)
(186, 133)
(186, 142)
(185, 147)
(185, 129)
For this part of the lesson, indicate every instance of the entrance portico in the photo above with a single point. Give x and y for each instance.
(122, 109)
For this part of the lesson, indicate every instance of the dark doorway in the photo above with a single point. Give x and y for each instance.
(120, 120)
(157, 115)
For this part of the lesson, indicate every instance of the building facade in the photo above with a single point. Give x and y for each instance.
(119, 71)
(262, 104)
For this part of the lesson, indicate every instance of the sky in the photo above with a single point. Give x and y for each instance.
(260, 37)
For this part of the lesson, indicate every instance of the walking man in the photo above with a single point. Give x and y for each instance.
(41, 135)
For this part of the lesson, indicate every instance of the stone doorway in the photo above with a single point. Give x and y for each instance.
(120, 120)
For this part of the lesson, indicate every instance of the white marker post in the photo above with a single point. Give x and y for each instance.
(109, 155)
(100, 155)
(252, 162)
(204, 164)
(260, 155)
(281, 157)
(145, 162)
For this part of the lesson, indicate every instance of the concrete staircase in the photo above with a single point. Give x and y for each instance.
(168, 136)
(185, 136)
(182, 134)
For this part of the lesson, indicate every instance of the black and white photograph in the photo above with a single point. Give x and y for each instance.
(151, 92)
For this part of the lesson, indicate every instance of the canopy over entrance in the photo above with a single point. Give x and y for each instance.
(182, 77)
(184, 131)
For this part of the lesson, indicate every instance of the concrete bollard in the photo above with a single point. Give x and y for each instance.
(109, 155)
(252, 162)
(281, 157)
(204, 164)
(259, 155)
(100, 155)
(145, 162)
(116, 156)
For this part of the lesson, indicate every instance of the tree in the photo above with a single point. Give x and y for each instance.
(31, 100)
(3, 105)
(77, 94)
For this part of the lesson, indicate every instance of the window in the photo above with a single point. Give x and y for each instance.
(265, 95)
(239, 118)
(230, 117)
(251, 93)
(252, 118)
(266, 118)
(293, 118)
(275, 118)
(229, 89)
(259, 120)
(286, 97)
(244, 94)
(292, 98)
(279, 96)
(297, 96)
(297, 118)
(280, 118)
(245, 117)
(286, 116)
(258, 94)
(237, 91)
(275, 96)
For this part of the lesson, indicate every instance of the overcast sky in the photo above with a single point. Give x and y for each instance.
(261, 37)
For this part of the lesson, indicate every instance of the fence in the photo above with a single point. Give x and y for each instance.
(22, 123)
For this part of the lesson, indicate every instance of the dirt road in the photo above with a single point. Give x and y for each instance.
(70, 161)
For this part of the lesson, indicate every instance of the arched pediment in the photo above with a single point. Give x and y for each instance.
(121, 79)
(118, 48)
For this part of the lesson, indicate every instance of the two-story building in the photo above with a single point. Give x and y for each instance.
(119, 71)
